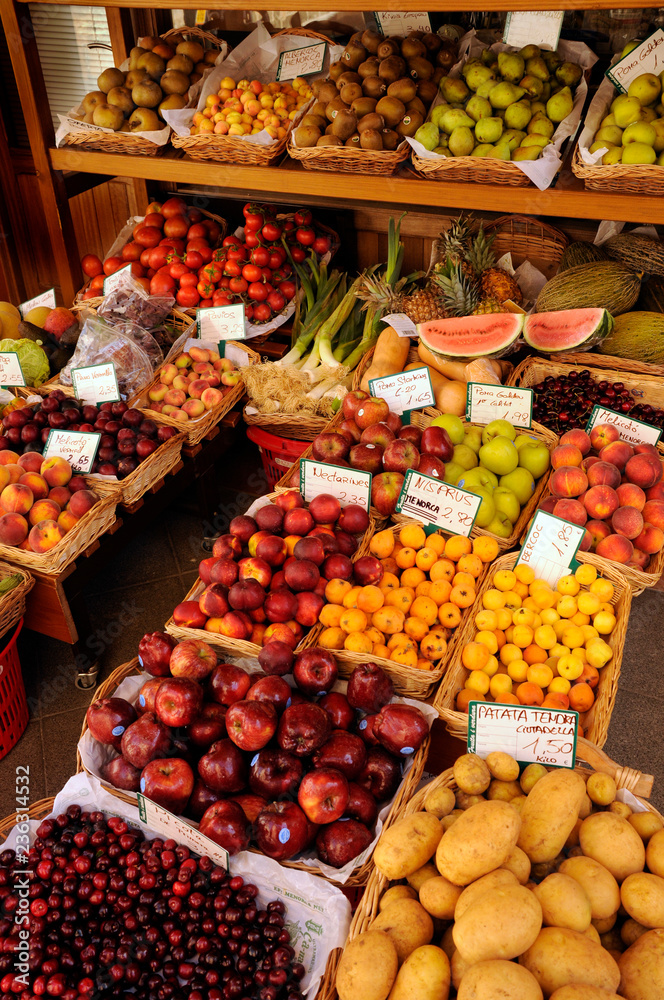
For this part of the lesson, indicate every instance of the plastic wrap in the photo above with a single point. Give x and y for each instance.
(130, 302)
(102, 343)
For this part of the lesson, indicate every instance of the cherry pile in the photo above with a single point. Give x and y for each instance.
(111, 913)
(567, 401)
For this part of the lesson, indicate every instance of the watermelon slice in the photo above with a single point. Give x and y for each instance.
(487, 335)
(567, 329)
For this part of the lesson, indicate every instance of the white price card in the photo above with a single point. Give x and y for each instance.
(533, 27)
(304, 61)
(631, 430)
(437, 503)
(396, 22)
(403, 324)
(550, 546)
(221, 323)
(96, 383)
(173, 828)
(11, 372)
(529, 734)
(46, 299)
(79, 448)
(349, 486)
(486, 402)
(410, 390)
(647, 57)
(117, 279)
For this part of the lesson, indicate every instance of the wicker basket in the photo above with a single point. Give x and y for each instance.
(12, 604)
(608, 362)
(619, 178)
(596, 721)
(348, 160)
(469, 170)
(95, 522)
(288, 425)
(524, 237)
(157, 465)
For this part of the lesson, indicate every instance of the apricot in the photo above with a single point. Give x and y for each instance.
(56, 471)
(43, 510)
(475, 656)
(529, 694)
(581, 697)
(38, 485)
(13, 529)
(478, 680)
(45, 535)
(464, 698)
(16, 498)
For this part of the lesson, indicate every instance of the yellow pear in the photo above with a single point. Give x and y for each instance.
(559, 106)
(612, 135)
(526, 153)
(646, 88)
(638, 152)
(614, 155)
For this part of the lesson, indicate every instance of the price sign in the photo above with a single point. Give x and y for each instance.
(647, 57)
(172, 827)
(349, 486)
(305, 61)
(533, 27)
(117, 279)
(221, 323)
(403, 324)
(440, 504)
(77, 447)
(395, 22)
(410, 390)
(46, 299)
(96, 383)
(550, 547)
(11, 372)
(485, 402)
(631, 430)
(530, 735)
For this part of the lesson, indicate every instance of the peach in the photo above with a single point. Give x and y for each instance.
(56, 471)
(156, 407)
(157, 392)
(598, 531)
(37, 483)
(603, 434)
(615, 547)
(16, 498)
(45, 535)
(653, 513)
(15, 472)
(566, 454)
(30, 461)
(177, 414)
(168, 373)
(43, 510)
(212, 397)
(588, 461)
(194, 408)
(650, 540)
(644, 470)
(618, 453)
(545, 505)
(603, 474)
(8, 457)
(181, 384)
(656, 492)
(578, 438)
(645, 449)
(231, 378)
(639, 560)
(211, 378)
(601, 502)
(568, 481)
(630, 495)
(5, 476)
(13, 529)
(175, 397)
(168, 410)
(202, 368)
(182, 361)
(627, 521)
(199, 354)
(81, 502)
(587, 541)
(197, 387)
(571, 510)
(66, 520)
(60, 495)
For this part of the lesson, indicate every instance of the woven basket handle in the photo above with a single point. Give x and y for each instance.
(625, 777)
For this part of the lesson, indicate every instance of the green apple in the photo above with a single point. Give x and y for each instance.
(452, 424)
(453, 472)
(521, 482)
(507, 503)
(522, 439)
(498, 428)
(473, 438)
(534, 456)
(487, 509)
(478, 478)
(501, 525)
(499, 455)
(464, 456)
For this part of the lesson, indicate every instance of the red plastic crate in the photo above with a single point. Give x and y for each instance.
(277, 453)
(13, 704)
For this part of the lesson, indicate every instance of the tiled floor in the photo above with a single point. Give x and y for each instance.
(143, 584)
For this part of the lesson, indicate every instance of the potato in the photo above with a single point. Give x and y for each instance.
(594, 935)
(498, 879)
(447, 821)
(531, 775)
(406, 846)
(601, 788)
(465, 801)
(579, 992)
(502, 766)
(573, 839)
(599, 884)
(440, 802)
(471, 774)
(605, 924)
(368, 967)
(642, 968)
(631, 931)
(447, 942)
(560, 956)
(498, 980)
(502, 923)
(439, 897)
(425, 975)
(655, 853)
(396, 892)
(620, 809)
(518, 863)
(642, 895)
(613, 842)
(549, 814)
(459, 967)
(646, 824)
(417, 879)
(407, 923)
(479, 841)
(503, 790)
(564, 902)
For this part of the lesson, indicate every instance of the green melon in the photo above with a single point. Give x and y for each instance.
(567, 329)
(488, 335)
(638, 336)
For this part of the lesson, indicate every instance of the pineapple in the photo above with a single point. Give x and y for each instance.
(460, 294)
(500, 285)
(451, 247)
(479, 255)
(419, 305)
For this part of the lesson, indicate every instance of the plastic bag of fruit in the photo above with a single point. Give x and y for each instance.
(129, 302)
(133, 352)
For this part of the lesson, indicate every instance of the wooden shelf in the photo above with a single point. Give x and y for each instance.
(290, 181)
(405, 5)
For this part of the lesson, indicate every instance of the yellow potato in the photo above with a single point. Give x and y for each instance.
(439, 897)
(502, 766)
(396, 892)
(459, 967)
(498, 879)
(368, 967)
(564, 902)
(479, 841)
(560, 957)
(440, 802)
(631, 931)
(417, 879)
(655, 853)
(642, 895)
(613, 842)
(498, 980)
(599, 884)
(425, 975)
(518, 863)
(642, 968)
(579, 992)
(502, 923)
(646, 824)
(471, 774)
(407, 923)
(594, 935)
(407, 845)
(549, 814)
(447, 942)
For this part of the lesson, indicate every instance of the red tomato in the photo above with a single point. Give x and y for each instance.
(213, 230)
(194, 260)
(276, 301)
(252, 272)
(145, 257)
(257, 291)
(132, 251)
(321, 245)
(289, 226)
(189, 280)
(232, 269)
(238, 285)
(205, 303)
(144, 283)
(91, 265)
(281, 274)
(231, 241)
(303, 217)
(271, 232)
(173, 244)
(287, 288)
(220, 299)
(154, 206)
(162, 284)
(248, 311)
(187, 297)
(213, 271)
(154, 219)
(305, 235)
(195, 215)
(220, 254)
(112, 264)
(197, 232)
(267, 273)
(151, 273)
(251, 239)
(97, 283)
(159, 256)
(240, 253)
(197, 244)
(206, 254)
(262, 312)
(260, 256)
(172, 206)
(253, 217)
(137, 269)
(225, 282)
(177, 226)
(166, 269)
(205, 288)
(277, 257)
(298, 254)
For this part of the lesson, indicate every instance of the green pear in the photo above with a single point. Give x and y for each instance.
(455, 118)
(532, 86)
(625, 110)
(505, 93)
(552, 60)
(658, 126)
(647, 115)
(569, 74)
(438, 113)
(612, 135)
(537, 67)
(461, 141)
(640, 132)
(614, 155)
(660, 160)
(518, 115)
(511, 66)
(485, 88)
(513, 137)
(546, 91)
(530, 52)
(559, 106)
(427, 134)
(609, 120)
(638, 152)
(478, 75)
(488, 130)
(483, 149)
(453, 89)
(469, 65)
(659, 110)
(441, 151)
(646, 88)
(535, 140)
(598, 144)
(538, 107)
(489, 57)
(500, 152)
(478, 107)
(541, 125)
(630, 47)
(526, 153)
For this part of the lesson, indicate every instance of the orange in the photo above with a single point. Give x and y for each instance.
(389, 565)
(472, 564)
(464, 697)
(581, 697)
(350, 598)
(475, 656)
(358, 642)
(336, 590)
(381, 650)
(389, 582)
(401, 597)
(370, 599)
(424, 608)
(433, 647)
(406, 657)
(463, 580)
(457, 546)
(529, 694)
(416, 628)
(405, 557)
(449, 615)
(425, 558)
(437, 543)
(444, 569)
(389, 620)
(534, 654)
(330, 615)
(412, 577)
(486, 548)
(332, 638)
(353, 620)
(382, 544)
(413, 536)
(463, 596)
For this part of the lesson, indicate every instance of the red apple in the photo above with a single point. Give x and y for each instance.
(368, 570)
(436, 441)
(179, 701)
(352, 402)
(145, 740)
(400, 456)
(429, 465)
(367, 457)
(225, 823)
(280, 605)
(315, 671)
(381, 774)
(338, 708)
(273, 689)
(365, 730)
(147, 695)
(282, 830)
(401, 729)
(361, 805)
(203, 732)
(350, 430)
(347, 543)
(344, 751)
(243, 527)
(275, 774)
(200, 799)
(168, 782)
(121, 774)
(154, 653)
(193, 659)
(369, 688)
(251, 805)
(276, 657)
(303, 728)
(323, 795)
(229, 683)
(338, 843)
(251, 724)
(379, 434)
(330, 447)
(108, 718)
(372, 411)
(223, 768)
(385, 490)
(409, 432)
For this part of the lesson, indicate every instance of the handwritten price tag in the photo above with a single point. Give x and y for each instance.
(46, 299)
(530, 735)
(434, 502)
(648, 57)
(305, 61)
(533, 27)
(117, 279)
(163, 821)
(96, 383)
(550, 546)
(406, 390)
(77, 447)
(631, 430)
(11, 372)
(349, 486)
(221, 323)
(394, 22)
(486, 402)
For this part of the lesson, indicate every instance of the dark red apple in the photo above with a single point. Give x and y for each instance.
(337, 567)
(223, 768)
(400, 456)
(246, 595)
(338, 843)
(361, 805)
(409, 432)
(329, 447)
(280, 605)
(367, 457)
(352, 402)
(301, 574)
(365, 730)
(353, 519)
(367, 570)
(323, 795)
(274, 690)
(225, 572)
(203, 732)
(145, 740)
(282, 830)
(436, 441)
(385, 491)
(200, 799)
(393, 421)
(429, 465)
(269, 518)
(369, 688)
(251, 724)
(380, 775)
(178, 702)
(315, 671)
(251, 805)
(225, 823)
(350, 431)
(275, 773)
(147, 694)
(303, 728)
(338, 708)
(229, 683)
(193, 659)
(121, 774)
(310, 547)
(276, 657)
(243, 527)
(154, 653)
(401, 729)
(107, 719)
(168, 782)
(344, 751)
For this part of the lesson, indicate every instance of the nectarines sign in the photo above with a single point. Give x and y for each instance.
(631, 430)
(550, 546)
(77, 447)
(96, 383)
(440, 504)
(530, 735)
(486, 402)
(349, 486)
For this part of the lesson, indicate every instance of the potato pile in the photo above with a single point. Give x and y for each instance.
(378, 93)
(518, 886)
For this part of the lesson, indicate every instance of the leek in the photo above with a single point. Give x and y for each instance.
(333, 324)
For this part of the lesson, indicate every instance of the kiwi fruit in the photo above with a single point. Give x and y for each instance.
(446, 56)
(410, 123)
(369, 67)
(391, 109)
(307, 135)
(417, 105)
(334, 107)
(371, 139)
(328, 130)
(391, 139)
(371, 121)
(412, 48)
(354, 140)
(344, 124)
(371, 40)
(315, 87)
(356, 37)
(374, 87)
(348, 77)
(431, 41)
(316, 121)
(327, 92)
(388, 47)
(350, 92)
(318, 110)
(426, 91)
(438, 74)
(404, 89)
(353, 55)
(336, 69)
(363, 106)
(420, 69)
(392, 68)
(329, 140)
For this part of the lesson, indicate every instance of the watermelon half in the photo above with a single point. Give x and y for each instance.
(567, 329)
(488, 335)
